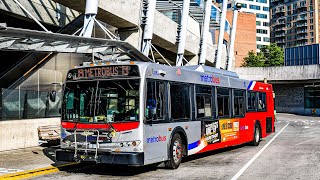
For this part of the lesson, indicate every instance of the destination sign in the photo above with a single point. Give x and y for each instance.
(102, 72)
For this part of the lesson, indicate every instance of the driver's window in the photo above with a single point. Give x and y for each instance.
(155, 102)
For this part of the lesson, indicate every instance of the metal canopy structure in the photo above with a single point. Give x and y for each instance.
(31, 40)
(196, 11)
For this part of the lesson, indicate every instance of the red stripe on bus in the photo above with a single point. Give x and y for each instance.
(123, 126)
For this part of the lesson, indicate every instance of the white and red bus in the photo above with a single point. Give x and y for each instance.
(140, 113)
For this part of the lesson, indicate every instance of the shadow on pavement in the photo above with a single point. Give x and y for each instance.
(122, 170)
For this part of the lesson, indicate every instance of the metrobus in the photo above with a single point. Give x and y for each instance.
(139, 113)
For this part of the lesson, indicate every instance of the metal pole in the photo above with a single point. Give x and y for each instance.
(205, 31)
(221, 32)
(90, 14)
(183, 31)
(148, 28)
(232, 39)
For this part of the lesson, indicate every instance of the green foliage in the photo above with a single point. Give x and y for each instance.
(271, 55)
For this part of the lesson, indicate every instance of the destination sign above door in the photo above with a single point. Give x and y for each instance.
(102, 72)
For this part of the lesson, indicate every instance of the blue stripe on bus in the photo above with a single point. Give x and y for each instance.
(248, 88)
(193, 145)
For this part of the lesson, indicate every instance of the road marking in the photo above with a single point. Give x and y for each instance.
(34, 172)
(245, 167)
(306, 141)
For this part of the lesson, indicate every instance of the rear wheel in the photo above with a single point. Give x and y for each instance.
(256, 136)
(175, 153)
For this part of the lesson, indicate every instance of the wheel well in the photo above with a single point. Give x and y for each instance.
(183, 135)
(184, 142)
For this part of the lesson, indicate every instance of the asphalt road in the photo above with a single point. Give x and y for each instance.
(293, 154)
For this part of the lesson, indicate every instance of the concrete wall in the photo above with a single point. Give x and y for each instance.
(280, 73)
(15, 134)
(289, 98)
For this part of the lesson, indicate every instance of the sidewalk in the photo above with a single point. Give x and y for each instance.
(27, 159)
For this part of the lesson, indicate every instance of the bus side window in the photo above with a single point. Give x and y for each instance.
(223, 97)
(204, 101)
(156, 100)
(251, 100)
(261, 101)
(180, 101)
(239, 103)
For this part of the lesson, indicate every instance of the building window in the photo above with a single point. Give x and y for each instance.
(263, 16)
(311, 27)
(258, 38)
(266, 8)
(229, 6)
(312, 97)
(311, 14)
(311, 21)
(258, 23)
(261, 1)
(254, 7)
(312, 40)
(266, 24)
(250, 0)
(262, 31)
(311, 34)
(180, 101)
(223, 97)
(244, 5)
(266, 39)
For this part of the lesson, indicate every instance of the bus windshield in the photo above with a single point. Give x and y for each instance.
(101, 101)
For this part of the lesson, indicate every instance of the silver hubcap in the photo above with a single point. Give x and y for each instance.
(257, 135)
(177, 151)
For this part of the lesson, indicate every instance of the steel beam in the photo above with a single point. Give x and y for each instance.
(205, 32)
(149, 10)
(221, 33)
(183, 31)
(232, 38)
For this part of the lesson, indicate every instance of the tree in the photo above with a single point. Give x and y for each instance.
(271, 55)
(253, 60)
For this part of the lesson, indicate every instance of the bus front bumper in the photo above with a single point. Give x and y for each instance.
(125, 158)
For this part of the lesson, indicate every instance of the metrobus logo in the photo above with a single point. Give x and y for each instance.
(156, 139)
(210, 79)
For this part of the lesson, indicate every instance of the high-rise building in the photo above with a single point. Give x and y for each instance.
(294, 22)
(261, 9)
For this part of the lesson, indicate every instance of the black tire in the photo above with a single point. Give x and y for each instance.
(256, 136)
(175, 153)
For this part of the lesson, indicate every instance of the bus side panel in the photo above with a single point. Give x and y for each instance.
(157, 139)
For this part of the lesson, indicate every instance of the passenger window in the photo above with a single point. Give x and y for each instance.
(204, 101)
(156, 101)
(251, 97)
(239, 104)
(261, 101)
(223, 96)
(180, 100)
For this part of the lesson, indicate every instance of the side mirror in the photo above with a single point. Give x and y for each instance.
(53, 95)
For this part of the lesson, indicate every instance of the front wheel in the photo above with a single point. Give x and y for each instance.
(175, 153)
(256, 136)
